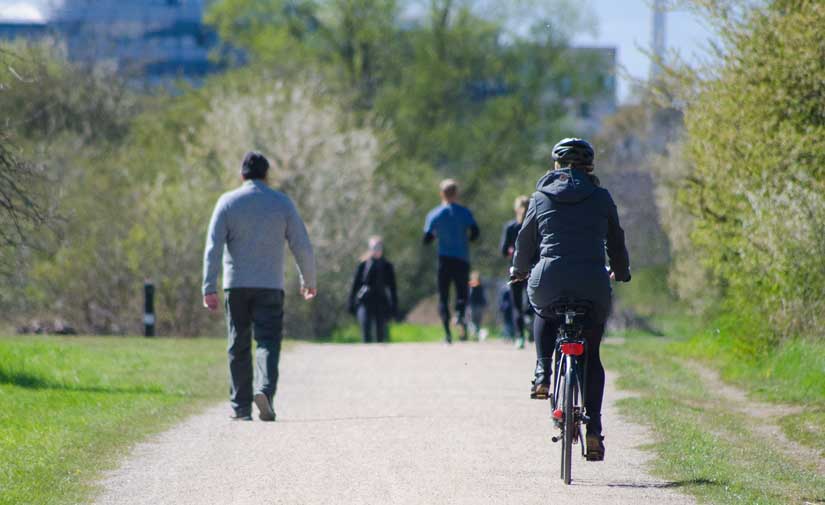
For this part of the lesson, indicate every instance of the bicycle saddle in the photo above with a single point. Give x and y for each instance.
(578, 307)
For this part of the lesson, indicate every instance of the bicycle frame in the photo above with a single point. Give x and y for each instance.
(570, 355)
(569, 333)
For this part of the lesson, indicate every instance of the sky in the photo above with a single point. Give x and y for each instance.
(625, 24)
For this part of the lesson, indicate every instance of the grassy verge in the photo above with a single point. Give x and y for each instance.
(792, 372)
(705, 448)
(789, 372)
(71, 405)
(399, 333)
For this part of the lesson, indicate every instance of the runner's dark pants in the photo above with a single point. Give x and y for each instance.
(452, 271)
(517, 294)
(373, 317)
(260, 312)
(545, 332)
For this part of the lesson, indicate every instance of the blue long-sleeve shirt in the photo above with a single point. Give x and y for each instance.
(453, 226)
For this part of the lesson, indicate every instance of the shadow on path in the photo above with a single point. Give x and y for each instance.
(31, 381)
(649, 484)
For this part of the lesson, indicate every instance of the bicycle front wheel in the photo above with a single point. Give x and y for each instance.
(569, 421)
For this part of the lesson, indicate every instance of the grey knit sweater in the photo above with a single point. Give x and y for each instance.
(249, 228)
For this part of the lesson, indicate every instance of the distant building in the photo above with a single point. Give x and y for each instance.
(159, 39)
(12, 30)
(149, 41)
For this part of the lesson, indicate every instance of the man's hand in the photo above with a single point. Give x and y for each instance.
(210, 301)
(309, 293)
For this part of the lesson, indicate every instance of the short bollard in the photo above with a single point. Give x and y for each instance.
(149, 309)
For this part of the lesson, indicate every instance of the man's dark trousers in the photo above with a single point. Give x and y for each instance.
(259, 311)
(452, 271)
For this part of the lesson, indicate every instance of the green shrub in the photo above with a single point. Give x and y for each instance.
(756, 142)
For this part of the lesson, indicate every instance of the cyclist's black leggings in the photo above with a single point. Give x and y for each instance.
(545, 332)
(452, 271)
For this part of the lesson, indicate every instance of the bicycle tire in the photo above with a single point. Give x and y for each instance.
(569, 421)
(559, 403)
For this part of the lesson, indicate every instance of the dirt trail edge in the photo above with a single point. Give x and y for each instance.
(762, 416)
(400, 424)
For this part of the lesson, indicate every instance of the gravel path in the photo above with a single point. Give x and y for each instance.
(401, 424)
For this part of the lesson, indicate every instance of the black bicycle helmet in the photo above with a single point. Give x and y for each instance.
(574, 152)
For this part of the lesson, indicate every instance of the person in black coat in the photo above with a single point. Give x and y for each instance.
(570, 222)
(508, 248)
(373, 298)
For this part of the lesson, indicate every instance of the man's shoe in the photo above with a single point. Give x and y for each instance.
(520, 343)
(265, 412)
(595, 447)
(241, 417)
(448, 339)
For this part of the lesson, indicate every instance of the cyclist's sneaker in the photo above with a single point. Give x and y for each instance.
(520, 343)
(595, 447)
(540, 391)
(264, 407)
(541, 380)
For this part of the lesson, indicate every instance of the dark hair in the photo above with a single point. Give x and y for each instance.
(255, 165)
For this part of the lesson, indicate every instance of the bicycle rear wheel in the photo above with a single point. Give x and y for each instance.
(569, 420)
(559, 404)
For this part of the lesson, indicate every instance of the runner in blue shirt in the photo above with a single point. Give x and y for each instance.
(455, 227)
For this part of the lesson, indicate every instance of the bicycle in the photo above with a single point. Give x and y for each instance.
(569, 380)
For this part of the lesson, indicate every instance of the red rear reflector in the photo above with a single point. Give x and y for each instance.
(572, 349)
(557, 414)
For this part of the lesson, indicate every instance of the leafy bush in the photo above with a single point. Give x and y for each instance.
(756, 147)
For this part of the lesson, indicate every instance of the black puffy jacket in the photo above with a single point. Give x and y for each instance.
(374, 286)
(567, 226)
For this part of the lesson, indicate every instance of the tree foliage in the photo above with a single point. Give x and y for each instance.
(756, 146)
(361, 111)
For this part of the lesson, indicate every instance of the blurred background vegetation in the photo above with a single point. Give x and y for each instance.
(717, 170)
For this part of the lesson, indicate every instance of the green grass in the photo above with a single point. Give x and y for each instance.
(791, 372)
(703, 447)
(72, 406)
(648, 293)
(399, 333)
(807, 428)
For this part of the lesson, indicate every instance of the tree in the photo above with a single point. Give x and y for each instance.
(21, 207)
(756, 144)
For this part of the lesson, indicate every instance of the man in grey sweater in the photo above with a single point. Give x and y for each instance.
(249, 228)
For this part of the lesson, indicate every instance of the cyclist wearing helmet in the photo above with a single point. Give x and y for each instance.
(569, 223)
